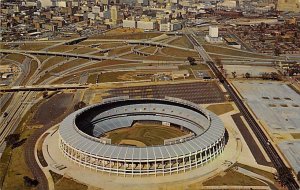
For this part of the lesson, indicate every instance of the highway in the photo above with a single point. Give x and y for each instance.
(284, 173)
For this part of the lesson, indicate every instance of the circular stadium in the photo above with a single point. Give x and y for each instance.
(88, 136)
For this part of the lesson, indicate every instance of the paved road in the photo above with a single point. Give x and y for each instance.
(31, 160)
(254, 148)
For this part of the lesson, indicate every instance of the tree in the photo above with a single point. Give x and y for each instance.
(79, 105)
(247, 75)
(233, 74)
(12, 138)
(191, 60)
(277, 51)
(45, 94)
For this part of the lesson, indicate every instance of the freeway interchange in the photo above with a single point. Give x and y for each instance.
(286, 177)
(25, 96)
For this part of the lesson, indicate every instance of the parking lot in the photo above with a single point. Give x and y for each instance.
(197, 92)
(274, 103)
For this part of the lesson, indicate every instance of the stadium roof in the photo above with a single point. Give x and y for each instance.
(81, 128)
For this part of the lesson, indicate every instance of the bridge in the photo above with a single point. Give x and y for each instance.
(44, 87)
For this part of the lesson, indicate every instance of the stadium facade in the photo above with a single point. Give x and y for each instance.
(81, 137)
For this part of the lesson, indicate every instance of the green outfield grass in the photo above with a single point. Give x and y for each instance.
(149, 134)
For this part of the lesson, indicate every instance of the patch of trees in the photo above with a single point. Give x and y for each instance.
(79, 105)
(12, 138)
(270, 76)
(14, 141)
(45, 94)
(192, 60)
(28, 182)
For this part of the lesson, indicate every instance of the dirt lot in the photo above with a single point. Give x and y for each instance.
(52, 109)
(148, 134)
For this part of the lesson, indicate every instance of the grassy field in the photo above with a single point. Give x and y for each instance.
(296, 135)
(35, 46)
(42, 57)
(17, 166)
(69, 65)
(227, 51)
(33, 68)
(110, 45)
(16, 57)
(83, 50)
(233, 178)
(258, 171)
(149, 134)
(104, 63)
(220, 109)
(159, 57)
(122, 76)
(194, 67)
(182, 42)
(120, 50)
(3, 46)
(179, 53)
(150, 49)
(92, 78)
(63, 80)
(69, 184)
(133, 56)
(126, 35)
(52, 61)
(62, 48)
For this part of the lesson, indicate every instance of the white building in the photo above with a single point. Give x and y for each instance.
(213, 35)
(96, 9)
(213, 31)
(228, 4)
(92, 16)
(129, 24)
(147, 25)
(143, 2)
(165, 27)
(46, 3)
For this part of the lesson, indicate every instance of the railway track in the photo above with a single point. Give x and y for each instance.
(285, 175)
